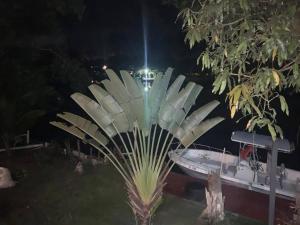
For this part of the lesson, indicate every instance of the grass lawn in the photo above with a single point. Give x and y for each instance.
(52, 193)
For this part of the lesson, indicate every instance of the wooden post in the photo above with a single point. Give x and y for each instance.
(27, 137)
(78, 147)
(272, 198)
(221, 167)
(214, 211)
(297, 209)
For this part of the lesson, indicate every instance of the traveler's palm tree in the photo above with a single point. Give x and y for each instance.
(145, 124)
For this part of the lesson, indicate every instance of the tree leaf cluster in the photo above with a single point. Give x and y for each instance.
(252, 50)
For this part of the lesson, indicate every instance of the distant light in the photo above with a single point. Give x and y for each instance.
(104, 67)
(146, 70)
(146, 88)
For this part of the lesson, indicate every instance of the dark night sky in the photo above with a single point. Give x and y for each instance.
(115, 29)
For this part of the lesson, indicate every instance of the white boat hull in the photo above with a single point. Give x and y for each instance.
(198, 163)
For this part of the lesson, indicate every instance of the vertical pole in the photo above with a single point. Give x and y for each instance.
(27, 137)
(78, 148)
(221, 168)
(91, 152)
(272, 197)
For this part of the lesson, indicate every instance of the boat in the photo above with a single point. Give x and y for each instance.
(243, 171)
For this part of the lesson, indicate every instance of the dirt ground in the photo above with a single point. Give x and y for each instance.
(50, 192)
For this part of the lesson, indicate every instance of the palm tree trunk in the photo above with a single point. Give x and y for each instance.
(142, 211)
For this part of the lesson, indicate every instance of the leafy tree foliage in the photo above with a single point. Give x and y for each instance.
(23, 100)
(252, 49)
(35, 61)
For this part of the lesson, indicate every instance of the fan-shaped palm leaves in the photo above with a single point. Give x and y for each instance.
(145, 123)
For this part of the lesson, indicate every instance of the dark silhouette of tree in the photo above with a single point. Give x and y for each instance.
(35, 61)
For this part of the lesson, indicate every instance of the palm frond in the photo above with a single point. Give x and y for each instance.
(70, 129)
(137, 98)
(199, 115)
(197, 131)
(157, 94)
(172, 112)
(175, 87)
(86, 126)
(96, 112)
(112, 106)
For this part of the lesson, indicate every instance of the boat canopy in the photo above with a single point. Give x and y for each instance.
(262, 141)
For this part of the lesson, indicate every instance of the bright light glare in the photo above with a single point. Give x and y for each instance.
(104, 67)
(146, 88)
(146, 70)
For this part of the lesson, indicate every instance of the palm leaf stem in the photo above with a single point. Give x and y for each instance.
(156, 149)
(159, 159)
(152, 144)
(148, 143)
(173, 163)
(117, 162)
(162, 158)
(137, 145)
(132, 168)
(111, 154)
(144, 143)
(120, 153)
(140, 141)
(123, 174)
(133, 152)
(166, 152)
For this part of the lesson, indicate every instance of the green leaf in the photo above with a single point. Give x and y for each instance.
(242, 47)
(223, 86)
(272, 131)
(283, 105)
(217, 83)
(279, 131)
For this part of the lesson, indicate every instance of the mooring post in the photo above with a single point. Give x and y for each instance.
(273, 169)
(78, 147)
(27, 137)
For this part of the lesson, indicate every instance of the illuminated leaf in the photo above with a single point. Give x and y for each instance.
(225, 53)
(283, 105)
(272, 131)
(276, 77)
(222, 88)
(233, 111)
(279, 131)
(216, 38)
(248, 124)
(245, 92)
